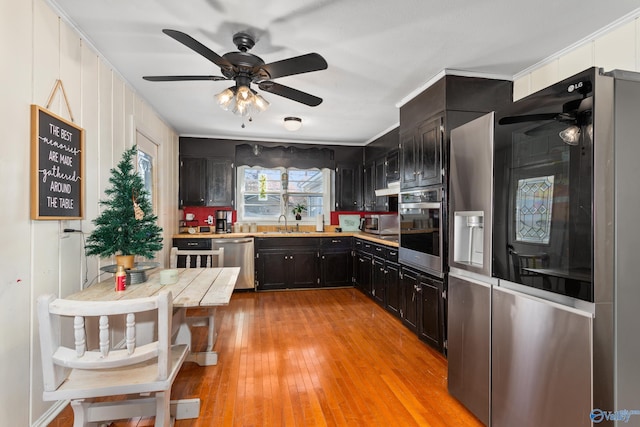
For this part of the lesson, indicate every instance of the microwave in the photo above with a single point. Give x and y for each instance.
(381, 224)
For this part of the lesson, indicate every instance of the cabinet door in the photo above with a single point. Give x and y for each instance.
(410, 299)
(368, 186)
(348, 187)
(408, 174)
(378, 285)
(363, 272)
(430, 151)
(303, 268)
(431, 327)
(219, 182)
(380, 178)
(392, 170)
(337, 268)
(193, 190)
(273, 269)
(392, 277)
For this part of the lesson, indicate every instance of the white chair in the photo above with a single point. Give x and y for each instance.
(77, 373)
(209, 256)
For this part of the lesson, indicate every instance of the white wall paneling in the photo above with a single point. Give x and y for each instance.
(36, 257)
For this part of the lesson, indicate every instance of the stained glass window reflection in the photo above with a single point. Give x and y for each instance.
(534, 201)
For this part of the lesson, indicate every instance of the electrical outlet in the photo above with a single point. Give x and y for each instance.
(63, 224)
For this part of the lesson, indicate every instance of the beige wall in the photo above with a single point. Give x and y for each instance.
(36, 49)
(614, 47)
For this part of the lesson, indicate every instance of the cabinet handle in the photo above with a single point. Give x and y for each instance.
(286, 257)
(382, 269)
(336, 241)
(379, 249)
(291, 257)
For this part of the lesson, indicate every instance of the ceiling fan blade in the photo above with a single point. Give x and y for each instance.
(509, 120)
(293, 94)
(182, 78)
(296, 65)
(195, 45)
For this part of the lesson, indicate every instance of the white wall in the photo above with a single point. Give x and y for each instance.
(37, 48)
(615, 47)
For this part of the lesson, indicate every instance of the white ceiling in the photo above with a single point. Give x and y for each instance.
(378, 51)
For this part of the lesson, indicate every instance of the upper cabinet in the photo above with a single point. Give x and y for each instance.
(206, 181)
(427, 119)
(206, 173)
(422, 154)
(348, 186)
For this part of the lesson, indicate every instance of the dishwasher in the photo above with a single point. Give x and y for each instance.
(238, 253)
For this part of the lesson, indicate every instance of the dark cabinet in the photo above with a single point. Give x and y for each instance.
(392, 170)
(336, 262)
(362, 271)
(368, 186)
(287, 268)
(378, 281)
(422, 154)
(410, 303)
(220, 182)
(393, 291)
(427, 119)
(193, 190)
(432, 326)
(192, 244)
(380, 182)
(206, 181)
(348, 187)
(296, 263)
(423, 307)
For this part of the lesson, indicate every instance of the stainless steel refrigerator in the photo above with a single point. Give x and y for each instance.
(470, 282)
(561, 349)
(514, 358)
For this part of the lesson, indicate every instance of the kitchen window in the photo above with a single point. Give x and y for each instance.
(266, 193)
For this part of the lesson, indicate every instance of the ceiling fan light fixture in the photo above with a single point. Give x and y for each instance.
(292, 123)
(226, 98)
(571, 135)
(241, 100)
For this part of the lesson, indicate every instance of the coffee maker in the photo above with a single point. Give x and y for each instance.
(223, 219)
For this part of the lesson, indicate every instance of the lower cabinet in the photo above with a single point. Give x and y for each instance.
(422, 306)
(298, 263)
(287, 269)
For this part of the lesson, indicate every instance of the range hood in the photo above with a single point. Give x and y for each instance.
(393, 189)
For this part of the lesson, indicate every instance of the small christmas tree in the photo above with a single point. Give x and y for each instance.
(127, 226)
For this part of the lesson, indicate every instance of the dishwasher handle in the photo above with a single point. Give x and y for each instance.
(222, 241)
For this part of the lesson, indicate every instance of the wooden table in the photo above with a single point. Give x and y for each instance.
(195, 288)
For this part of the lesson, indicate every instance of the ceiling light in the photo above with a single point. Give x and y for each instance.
(292, 123)
(571, 135)
(241, 100)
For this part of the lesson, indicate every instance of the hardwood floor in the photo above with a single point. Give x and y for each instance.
(314, 358)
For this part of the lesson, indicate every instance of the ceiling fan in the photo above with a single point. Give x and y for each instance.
(246, 68)
(567, 123)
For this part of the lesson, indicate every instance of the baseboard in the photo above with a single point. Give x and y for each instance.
(53, 411)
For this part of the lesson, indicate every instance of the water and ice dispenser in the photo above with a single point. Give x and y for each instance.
(468, 235)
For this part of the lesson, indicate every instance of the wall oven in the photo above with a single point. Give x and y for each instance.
(421, 230)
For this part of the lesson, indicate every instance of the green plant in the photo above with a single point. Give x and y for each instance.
(127, 225)
(298, 209)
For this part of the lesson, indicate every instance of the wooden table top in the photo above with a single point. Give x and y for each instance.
(196, 287)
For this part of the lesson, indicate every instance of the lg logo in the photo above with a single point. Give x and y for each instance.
(576, 86)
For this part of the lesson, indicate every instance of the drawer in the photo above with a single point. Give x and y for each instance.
(194, 244)
(391, 254)
(336, 243)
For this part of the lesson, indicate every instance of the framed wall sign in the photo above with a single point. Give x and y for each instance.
(57, 167)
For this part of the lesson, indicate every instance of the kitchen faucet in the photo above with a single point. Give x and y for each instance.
(285, 221)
